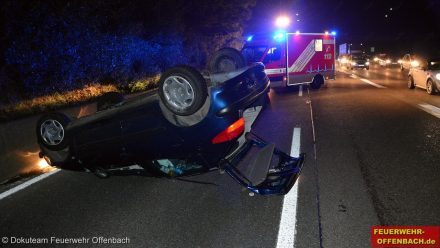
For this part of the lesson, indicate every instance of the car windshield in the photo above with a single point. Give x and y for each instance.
(253, 54)
(434, 65)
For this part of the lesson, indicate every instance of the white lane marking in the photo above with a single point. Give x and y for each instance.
(296, 142)
(287, 229)
(300, 93)
(353, 76)
(433, 110)
(27, 184)
(371, 83)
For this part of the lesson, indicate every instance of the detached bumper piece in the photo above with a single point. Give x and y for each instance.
(262, 168)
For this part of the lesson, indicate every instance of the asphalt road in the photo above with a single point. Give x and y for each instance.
(372, 159)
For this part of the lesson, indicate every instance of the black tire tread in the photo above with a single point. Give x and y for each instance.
(317, 82)
(229, 52)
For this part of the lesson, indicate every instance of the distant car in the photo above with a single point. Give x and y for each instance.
(358, 61)
(407, 61)
(386, 60)
(426, 76)
(192, 124)
(344, 60)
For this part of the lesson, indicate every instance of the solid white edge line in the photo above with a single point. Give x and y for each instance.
(433, 110)
(287, 229)
(371, 83)
(27, 184)
(300, 93)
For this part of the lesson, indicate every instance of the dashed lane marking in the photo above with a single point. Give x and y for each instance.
(287, 231)
(27, 184)
(371, 83)
(300, 93)
(433, 110)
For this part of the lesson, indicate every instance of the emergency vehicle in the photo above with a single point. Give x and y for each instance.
(294, 58)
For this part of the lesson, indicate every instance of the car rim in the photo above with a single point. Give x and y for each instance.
(429, 87)
(227, 64)
(52, 132)
(178, 92)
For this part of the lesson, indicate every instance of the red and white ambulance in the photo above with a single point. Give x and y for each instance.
(294, 58)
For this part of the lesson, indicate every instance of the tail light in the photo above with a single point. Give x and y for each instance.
(233, 131)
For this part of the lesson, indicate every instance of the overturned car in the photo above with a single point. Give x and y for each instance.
(190, 125)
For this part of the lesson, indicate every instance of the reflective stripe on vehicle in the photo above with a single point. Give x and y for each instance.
(304, 58)
(275, 71)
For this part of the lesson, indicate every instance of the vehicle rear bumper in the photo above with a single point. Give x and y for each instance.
(267, 170)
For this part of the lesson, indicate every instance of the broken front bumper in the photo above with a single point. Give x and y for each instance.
(262, 168)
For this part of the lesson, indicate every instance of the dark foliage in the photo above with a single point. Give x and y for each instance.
(54, 46)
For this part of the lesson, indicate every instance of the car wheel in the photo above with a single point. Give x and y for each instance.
(225, 60)
(183, 90)
(430, 88)
(51, 131)
(411, 82)
(368, 68)
(109, 100)
(317, 81)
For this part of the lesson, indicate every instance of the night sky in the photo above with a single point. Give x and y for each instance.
(394, 26)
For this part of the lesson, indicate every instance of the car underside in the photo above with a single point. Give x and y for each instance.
(171, 132)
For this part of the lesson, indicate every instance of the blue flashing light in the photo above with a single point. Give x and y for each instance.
(333, 33)
(280, 36)
(249, 38)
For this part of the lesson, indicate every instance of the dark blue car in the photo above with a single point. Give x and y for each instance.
(190, 125)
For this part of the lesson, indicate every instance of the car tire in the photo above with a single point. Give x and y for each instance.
(368, 68)
(317, 82)
(225, 60)
(51, 131)
(430, 87)
(183, 90)
(411, 84)
(109, 100)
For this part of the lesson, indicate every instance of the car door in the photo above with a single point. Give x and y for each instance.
(275, 60)
(419, 74)
(146, 134)
(99, 137)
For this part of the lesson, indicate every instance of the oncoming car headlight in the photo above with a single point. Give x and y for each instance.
(368, 63)
(415, 63)
(437, 76)
(388, 61)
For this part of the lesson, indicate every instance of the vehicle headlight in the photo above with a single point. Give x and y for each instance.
(376, 58)
(343, 60)
(388, 61)
(353, 63)
(415, 63)
(368, 63)
(437, 76)
(399, 61)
